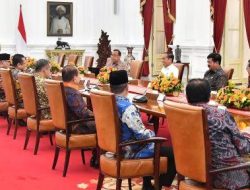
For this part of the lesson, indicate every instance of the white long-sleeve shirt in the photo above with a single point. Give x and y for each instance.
(170, 69)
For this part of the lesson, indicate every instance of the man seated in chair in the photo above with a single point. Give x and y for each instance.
(42, 72)
(132, 128)
(19, 65)
(115, 61)
(228, 144)
(215, 75)
(168, 66)
(77, 107)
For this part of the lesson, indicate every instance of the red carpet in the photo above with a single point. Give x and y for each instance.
(21, 170)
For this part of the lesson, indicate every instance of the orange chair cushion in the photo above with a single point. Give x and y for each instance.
(21, 113)
(131, 167)
(4, 106)
(76, 141)
(45, 125)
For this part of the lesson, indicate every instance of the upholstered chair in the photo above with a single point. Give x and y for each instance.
(61, 59)
(135, 69)
(64, 138)
(33, 110)
(192, 147)
(88, 61)
(229, 73)
(14, 111)
(180, 67)
(108, 138)
(72, 59)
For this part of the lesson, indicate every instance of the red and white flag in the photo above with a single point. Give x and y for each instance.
(21, 40)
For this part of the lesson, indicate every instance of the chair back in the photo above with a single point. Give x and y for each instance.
(88, 61)
(135, 69)
(229, 73)
(188, 129)
(61, 58)
(72, 59)
(57, 103)
(106, 119)
(29, 92)
(180, 67)
(9, 86)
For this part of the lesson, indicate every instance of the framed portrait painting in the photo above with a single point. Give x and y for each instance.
(59, 18)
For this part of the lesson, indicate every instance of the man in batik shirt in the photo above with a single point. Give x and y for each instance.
(42, 72)
(228, 144)
(77, 107)
(115, 61)
(132, 129)
(215, 75)
(19, 65)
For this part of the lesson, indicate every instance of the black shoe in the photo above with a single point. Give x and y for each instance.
(22, 123)
(94, 162)
(147, 187)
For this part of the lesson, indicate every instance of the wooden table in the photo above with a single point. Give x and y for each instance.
(156, 108)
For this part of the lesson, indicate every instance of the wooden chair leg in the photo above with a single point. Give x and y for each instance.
(57, 150)
(51, 138)
(9, 125)
(100, 181)
(118, 184)
(16, 126)
(37, 142)
(156, 125)
(129, 184)
(27, 138)
(83, 156)
(156, 183)
(66, 163)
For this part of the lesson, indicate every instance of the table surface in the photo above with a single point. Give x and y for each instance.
(155, 107)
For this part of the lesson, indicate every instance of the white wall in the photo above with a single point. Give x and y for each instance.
(90, 16)
(193, 32)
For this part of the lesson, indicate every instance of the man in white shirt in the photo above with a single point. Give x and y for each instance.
(168, 66)
(60, 24)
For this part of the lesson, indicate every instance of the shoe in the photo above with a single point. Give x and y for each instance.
(22, 123)
(147, 187)
(94, 163)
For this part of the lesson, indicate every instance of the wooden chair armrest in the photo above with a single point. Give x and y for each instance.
(81, 120)
(144, 141)
(231, 168)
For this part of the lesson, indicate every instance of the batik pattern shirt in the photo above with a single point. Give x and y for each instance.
(119, 66)
(217, 79)
(228, 146)
(19, 96)
(132, 129)
(42, 96)
(77, 109)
